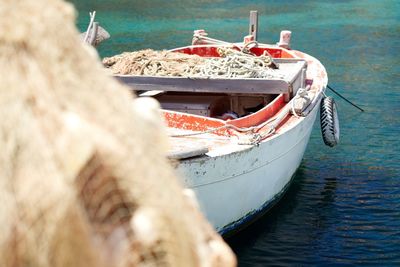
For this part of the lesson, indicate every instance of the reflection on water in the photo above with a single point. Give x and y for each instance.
(344, 204)
(349, 218)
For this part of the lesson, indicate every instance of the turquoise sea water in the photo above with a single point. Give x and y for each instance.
(344, 205)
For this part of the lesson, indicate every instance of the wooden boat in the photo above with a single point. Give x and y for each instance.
(239, 167)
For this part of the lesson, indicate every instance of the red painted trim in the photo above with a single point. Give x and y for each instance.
(211, 51)
(192, 122)
(274, 52)
(203, 51)
(198, 123)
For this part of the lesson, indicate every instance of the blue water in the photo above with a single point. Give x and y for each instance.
(344, 205)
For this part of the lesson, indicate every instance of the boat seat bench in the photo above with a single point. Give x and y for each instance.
(294, 78)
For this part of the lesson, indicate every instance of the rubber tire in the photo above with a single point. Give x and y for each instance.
(329, 122)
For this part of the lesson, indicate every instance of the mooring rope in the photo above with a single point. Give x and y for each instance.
(252, 139)
(200, 133)
(301, 93)
(210, 40)
(344, 98)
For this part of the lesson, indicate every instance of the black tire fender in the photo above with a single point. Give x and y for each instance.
(329, 122)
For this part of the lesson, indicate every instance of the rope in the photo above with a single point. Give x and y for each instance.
(199, 133)
(301, 93)
(245, 49)
(345, 99)
(210, 40)
(237, 64)
(255, 138)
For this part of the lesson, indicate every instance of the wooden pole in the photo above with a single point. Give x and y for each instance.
(253, 27)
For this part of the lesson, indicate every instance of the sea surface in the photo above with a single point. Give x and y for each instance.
(343, 207)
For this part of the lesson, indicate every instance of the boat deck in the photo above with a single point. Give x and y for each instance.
(183, 147)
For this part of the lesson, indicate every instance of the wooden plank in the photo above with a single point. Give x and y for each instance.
(291, 69)
(290, 60)
(179, 84)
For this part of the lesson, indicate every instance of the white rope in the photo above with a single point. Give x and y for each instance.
(199, 133)
(226, 126)
(246, 47)
(301, 93)
(211, 40)
(237, 64)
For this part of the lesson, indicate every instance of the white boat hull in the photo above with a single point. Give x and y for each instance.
(232, 188)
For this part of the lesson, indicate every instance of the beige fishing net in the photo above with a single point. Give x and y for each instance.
(151, 62)
(83, 177)
(231, 64)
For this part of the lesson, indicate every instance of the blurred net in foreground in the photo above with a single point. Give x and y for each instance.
(83, 177)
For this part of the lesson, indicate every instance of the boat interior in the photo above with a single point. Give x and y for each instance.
(225, 99)
(198, 105)
(217, 105)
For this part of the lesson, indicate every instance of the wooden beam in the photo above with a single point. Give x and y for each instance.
(204, 85)
(292, 80)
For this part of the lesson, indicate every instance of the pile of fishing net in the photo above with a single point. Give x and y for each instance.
(231, 64)
(150, 62)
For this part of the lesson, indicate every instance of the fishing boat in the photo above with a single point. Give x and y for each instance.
(237, 142)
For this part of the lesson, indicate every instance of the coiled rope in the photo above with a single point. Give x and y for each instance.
(301, 93)
(237, 64)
